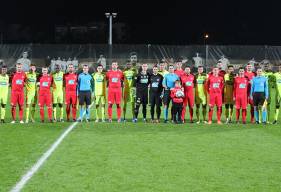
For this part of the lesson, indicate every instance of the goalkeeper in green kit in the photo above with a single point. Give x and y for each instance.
(268, 73)
(277, 77)
(129, 89)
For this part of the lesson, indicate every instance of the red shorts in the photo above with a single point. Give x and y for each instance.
(114, 96)
(241, 102)
(188, 98)
(17, 98)
(215, 99)
(45, 99)
(70, 98)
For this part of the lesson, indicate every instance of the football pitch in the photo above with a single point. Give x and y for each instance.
(142, 157)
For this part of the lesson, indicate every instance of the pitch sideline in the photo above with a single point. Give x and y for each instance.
(29, 174)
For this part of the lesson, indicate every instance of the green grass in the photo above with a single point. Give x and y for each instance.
(143, 157)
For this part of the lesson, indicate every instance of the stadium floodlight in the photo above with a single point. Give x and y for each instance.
(110, 16)
(206, 36)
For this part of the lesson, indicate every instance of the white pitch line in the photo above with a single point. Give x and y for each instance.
(29, 174)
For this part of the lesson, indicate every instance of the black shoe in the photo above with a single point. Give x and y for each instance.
(166, 121)
(179, 122)
(257, 122)
(191, 121)
(2, 121)
(42, 121)
(88, 120)
(274, 122)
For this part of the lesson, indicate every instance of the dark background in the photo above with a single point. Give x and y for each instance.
(143, 22)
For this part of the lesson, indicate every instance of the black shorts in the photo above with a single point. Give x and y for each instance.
(85, 97)
(155, 98)
(166, 97)
(258, 98)
(142, 97)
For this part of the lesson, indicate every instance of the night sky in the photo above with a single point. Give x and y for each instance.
(227, 22)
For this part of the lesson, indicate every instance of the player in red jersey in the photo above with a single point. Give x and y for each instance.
(45, 97)
(250, 75)
(17, 92)
(221, 72)
(188, 84)
(177, 96)
(70, 84)
(114, 78)
(214, 86)
(240, 94)
(178, 71)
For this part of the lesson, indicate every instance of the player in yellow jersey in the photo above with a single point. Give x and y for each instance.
(31, 92)
(129, 90)
(99, 93)
(162, 69)
(57, 92)
(4, 88)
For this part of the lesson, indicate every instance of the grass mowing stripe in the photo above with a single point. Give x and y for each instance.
(28, 175)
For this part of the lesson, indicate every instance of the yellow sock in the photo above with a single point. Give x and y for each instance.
(276, 114)
(27, 113)
(102, 113)
(3, 111)
(97, 113)
(55, 112)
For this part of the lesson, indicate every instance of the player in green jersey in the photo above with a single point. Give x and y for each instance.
(57, 92)
(162, 69)
(201, 94)
(129, 90)
(99, 92)
(277, 78)
(31, 92)
(268, 73)
(4, 89)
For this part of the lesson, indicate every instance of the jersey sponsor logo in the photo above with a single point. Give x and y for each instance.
(242, 86)
(31, 80)
(58, 79)
(99, 80)
(154, 84)
(45, 84)
(114, 80)
(144, 80)
(188, 83)
(216, 85)
(19, 82)
(200, 81)
(3, 83)
(71, 82)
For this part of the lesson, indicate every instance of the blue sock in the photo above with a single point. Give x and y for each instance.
(256, 114)
(264, 115)
(88, 112)
(81, 112)
(166, 111)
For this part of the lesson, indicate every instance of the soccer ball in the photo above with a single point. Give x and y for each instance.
(179, 94)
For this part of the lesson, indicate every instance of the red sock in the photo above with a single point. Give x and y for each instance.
(219, 113)
(13, 110)
(109, 111)
(21, 112)
(74, 109)
(42, 113)
(252, 113)
(183, 112)
(244, 114)
(68, 111)
(191, 113)
(237, 114)
(211, 110)
(50, 112)
(119, 112)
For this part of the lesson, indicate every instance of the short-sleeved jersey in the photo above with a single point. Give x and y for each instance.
(200, 80)
(70, 82)
(163, 73)
(260, 84)
(129, 78)
(156, 83)
(187, 81)
(169, 80)
(179, 72)
(45, 83)
(174, 93)
(142, 82)
(57, 81)
(114, 79)
(278, 82)
(18, 80)
(215, 85)
(250, 75)
(241, 86)
(99, 84)
(4, 83)
(30, 82)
